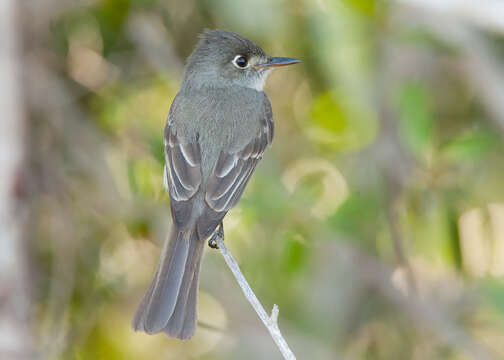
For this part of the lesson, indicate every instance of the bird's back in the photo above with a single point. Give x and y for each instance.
(218, 119)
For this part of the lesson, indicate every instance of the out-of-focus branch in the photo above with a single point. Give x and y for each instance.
(149, 35)
(423, 311)
(15, 336)
(487, 14)
(393, 212)
(393, 158)
(480, 64)
(271, 322)
(54, 101)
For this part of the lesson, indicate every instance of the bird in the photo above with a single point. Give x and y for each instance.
(219, 125)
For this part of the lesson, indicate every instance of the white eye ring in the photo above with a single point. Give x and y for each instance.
(242, 57)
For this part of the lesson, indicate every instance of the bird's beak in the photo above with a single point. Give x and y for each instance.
(278, 61)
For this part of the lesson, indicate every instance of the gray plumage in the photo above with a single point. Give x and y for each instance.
(219, 125)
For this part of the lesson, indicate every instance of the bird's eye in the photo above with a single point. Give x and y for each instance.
(240, 61)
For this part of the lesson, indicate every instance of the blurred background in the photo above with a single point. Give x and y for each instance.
(375, 222)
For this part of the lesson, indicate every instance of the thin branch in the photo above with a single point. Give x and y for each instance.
(392, 212)
(271, 322)
(395, 161)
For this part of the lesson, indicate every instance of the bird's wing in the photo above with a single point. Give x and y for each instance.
(234, 168)
(226, 182)
(183, 173)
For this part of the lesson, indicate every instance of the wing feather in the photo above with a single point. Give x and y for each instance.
(227, 181)
(234, 169)
(183, 167)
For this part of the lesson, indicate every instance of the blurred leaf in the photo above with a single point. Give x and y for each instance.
(62, 30)
(420, 37)
(330, 114)
(431, 227)
(359, 217)
(471, 145)
(99, 345)
(366, 7)
(143, 108)
(339, 124)
(112, 15)
(493, 291)
(265, 198)
(145, 176)
(155, 140)
(294, 253)
(416, 119)
(139, 228)
(308, 190)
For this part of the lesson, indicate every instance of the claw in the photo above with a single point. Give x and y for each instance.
(218, 233)
(213, 242)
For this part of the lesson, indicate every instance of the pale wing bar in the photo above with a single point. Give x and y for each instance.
(183, 163)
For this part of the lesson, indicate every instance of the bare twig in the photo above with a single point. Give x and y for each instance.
(271, 322)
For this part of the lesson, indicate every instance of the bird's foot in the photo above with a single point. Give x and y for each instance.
(213, 242)
(218, 234)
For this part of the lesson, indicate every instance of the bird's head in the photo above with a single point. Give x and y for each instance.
(223, 57)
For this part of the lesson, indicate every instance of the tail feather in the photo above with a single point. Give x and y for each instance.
(190, 318)
(139, 317)
(168, 284)
(170, 303)
(183, 321)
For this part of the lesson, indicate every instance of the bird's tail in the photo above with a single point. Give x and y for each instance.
(170, 303)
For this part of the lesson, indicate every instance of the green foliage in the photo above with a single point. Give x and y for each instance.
(471, 145)
(493, 291)
(359, 218)
(97, 151)
(364, 6)
(338, 124)
(145, 177)
(416, 118)
(294, 254)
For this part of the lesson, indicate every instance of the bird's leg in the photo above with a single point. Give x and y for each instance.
(218, 233)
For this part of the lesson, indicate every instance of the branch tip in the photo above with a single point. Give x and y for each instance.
(274, 314)
(271, 322)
